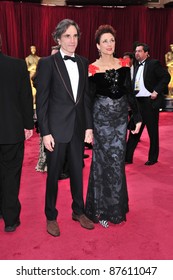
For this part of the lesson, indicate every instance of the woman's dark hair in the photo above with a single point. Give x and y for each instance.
(129, 54)
(102, 30)
(62, 27)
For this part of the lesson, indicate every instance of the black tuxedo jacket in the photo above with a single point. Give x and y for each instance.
(57, 112)
(155, 78)
(16, 104)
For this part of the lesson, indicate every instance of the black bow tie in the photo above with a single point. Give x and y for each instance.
(70, 57)
(142, 63)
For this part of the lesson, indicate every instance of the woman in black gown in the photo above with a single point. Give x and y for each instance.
(110, 84)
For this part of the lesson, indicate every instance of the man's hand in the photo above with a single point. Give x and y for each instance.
(28, 133)
(49, 142)
(137, 128)
(154, 95)
(88, 136)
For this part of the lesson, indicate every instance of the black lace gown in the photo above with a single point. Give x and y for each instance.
(107, 197)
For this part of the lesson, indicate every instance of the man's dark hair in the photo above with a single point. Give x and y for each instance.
(62, 27)
(146, 48)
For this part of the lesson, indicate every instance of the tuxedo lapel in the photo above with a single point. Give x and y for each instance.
(81, 77)
(62, 71)
(135, 72)
(144, 72)
(134, 75)
(145, 68)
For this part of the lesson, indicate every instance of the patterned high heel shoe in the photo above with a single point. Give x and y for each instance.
(104, 223)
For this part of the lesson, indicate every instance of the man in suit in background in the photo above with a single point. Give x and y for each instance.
(65, 120)
(16, 125)
(150, 81)
(130, 55)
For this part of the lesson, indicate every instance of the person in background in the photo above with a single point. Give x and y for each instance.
(110, 86)
(54, 49)
(16, 125)
(130, 55)
(132, 62)
(64, 119)
(150, 81)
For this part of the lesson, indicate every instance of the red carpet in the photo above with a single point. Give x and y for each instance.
(147, 234)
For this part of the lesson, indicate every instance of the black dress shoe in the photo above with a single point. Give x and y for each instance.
(150, 162)
(64, 176)
(12, 228)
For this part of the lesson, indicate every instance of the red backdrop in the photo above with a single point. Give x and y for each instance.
(26, 24)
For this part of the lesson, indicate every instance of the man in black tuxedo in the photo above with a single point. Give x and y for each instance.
(16, 125)
(150, 82)
(65, 120)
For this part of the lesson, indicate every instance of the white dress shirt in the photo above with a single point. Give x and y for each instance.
(132, 71)
(73, 72)
(139, 82)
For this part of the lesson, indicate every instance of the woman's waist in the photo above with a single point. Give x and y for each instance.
(108, 93)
